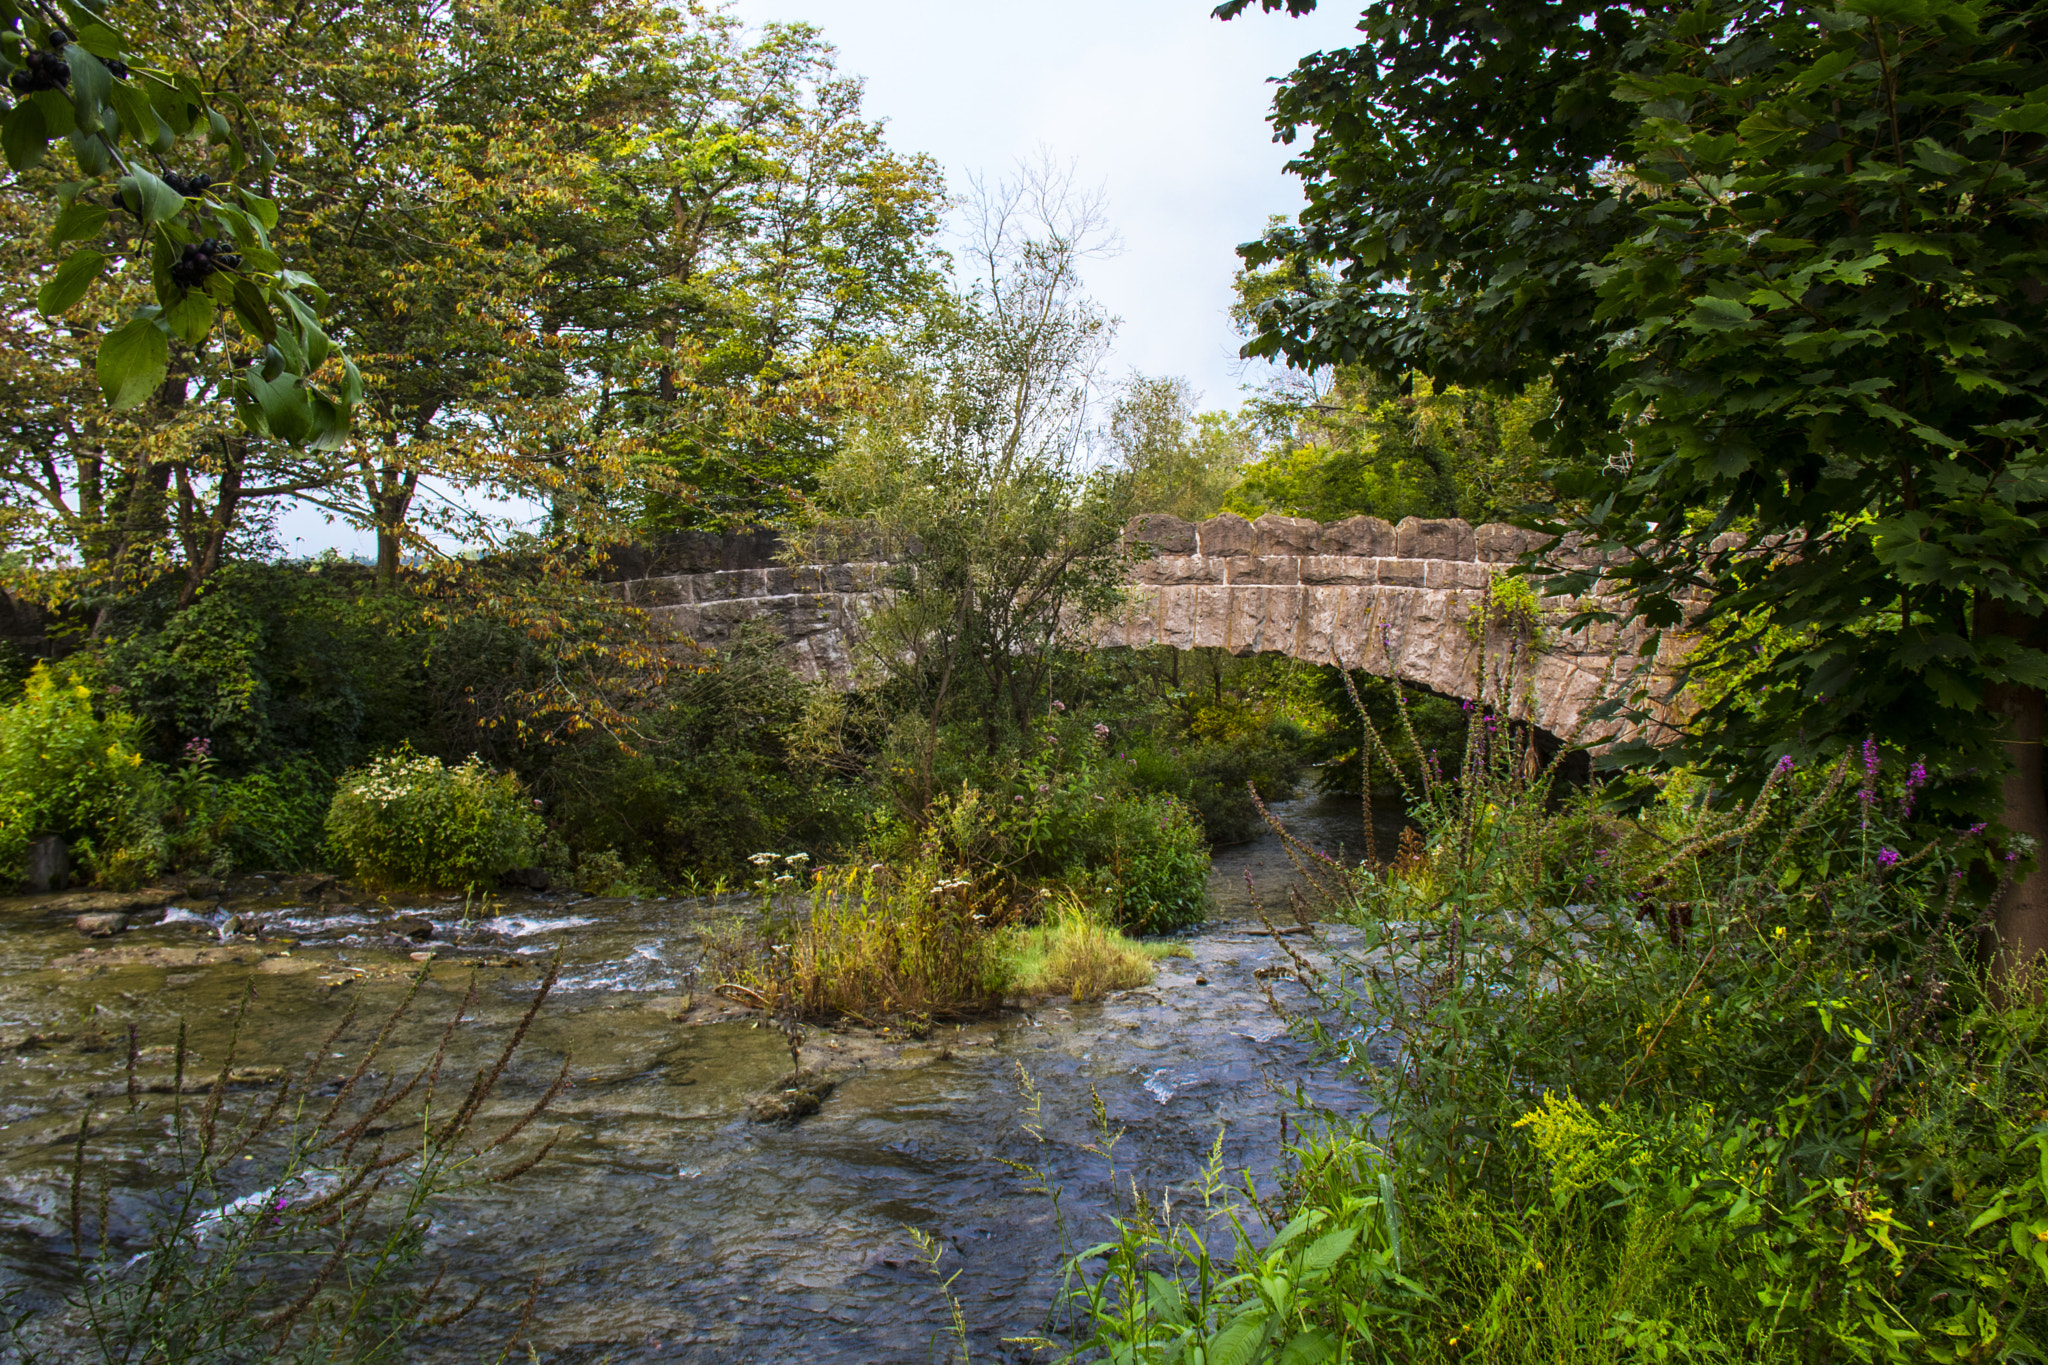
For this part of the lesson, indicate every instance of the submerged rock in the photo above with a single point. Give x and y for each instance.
(411, 927)
(797, 1095)
(100, 926)
(65, 904)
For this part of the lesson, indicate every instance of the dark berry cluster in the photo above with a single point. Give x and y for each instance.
(201, 259)
(116, 68)
(191, 186)
(44, 71)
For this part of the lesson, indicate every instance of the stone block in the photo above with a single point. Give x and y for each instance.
(1457, 573)
(1338, 570)
(1434, 538)
(1211, 618)
(1280, 620)
(669, 591)
(1278, 535)
(1166, 535)
(1367, 536)
(49, 864)
(1401, 573)
(1499, 543)
(100, 926)
(1174, 610)
(1163, 569)
(730, 585)
(1228, 534)
(1280, 570)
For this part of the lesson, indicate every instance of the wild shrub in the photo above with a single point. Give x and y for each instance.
(70, 769)
(406, 820)
(1075, 953)
(1068, 810)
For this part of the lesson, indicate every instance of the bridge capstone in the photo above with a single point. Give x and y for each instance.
(1413, 602)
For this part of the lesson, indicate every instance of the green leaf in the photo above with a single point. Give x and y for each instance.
(100, 41)
(2023, 118)
(132, 362)
(91, 83)
(23, 136)
(1165, 1300)
(253, 311)
(265, 210)
(139, 117)
(191, 317)
(1329, 1249)
(282, 401)
(77, 222)
(1312, 1347)
(70, 282)
(59, 119)
(1720, 314)
(1890, 11)
(172, 105)
(1988, 1217)
(90, 152)
(150, 197)
(1239, 1342)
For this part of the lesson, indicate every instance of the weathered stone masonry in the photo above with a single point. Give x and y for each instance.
(1406, 601)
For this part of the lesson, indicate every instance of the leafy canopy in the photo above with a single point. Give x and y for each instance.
(1783, 267)
(201, 239)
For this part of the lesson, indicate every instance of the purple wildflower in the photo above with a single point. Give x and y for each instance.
(198, 749)
(1101, 730)
(1059, 706)
(1784, 765)
(1887, 857)
(1870, 756)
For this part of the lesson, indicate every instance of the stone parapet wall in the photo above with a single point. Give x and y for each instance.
(1408, 601)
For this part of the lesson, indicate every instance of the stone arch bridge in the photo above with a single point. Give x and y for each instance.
(1408, 602)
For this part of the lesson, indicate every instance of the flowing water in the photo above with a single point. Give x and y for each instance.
(665, 1225)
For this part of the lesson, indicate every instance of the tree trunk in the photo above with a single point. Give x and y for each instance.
(387, 556)
(2022, 923)
(2023, 913)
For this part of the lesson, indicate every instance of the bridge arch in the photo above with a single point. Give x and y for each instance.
(1414, 602)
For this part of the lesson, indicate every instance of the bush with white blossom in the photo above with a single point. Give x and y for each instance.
(408, 820)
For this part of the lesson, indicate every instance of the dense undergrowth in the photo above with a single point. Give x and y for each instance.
(1712, 1082)
(215, 736)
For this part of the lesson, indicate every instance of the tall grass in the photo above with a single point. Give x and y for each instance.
(1716, 1082)
(869, 942)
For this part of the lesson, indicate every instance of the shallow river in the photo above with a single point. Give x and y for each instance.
(666, 1226)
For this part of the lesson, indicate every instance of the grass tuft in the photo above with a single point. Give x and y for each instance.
(1077, 954)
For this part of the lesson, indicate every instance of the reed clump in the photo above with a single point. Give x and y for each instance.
(869, 941)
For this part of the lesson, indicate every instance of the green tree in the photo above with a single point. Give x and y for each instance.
(1782, 264)
(1179, 461)
(978, 476)
(1346, 443)
(747, 257)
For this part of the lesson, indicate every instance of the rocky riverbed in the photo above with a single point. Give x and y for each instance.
(722, 1188)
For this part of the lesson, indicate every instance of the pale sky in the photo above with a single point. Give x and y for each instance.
(1153, 101)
